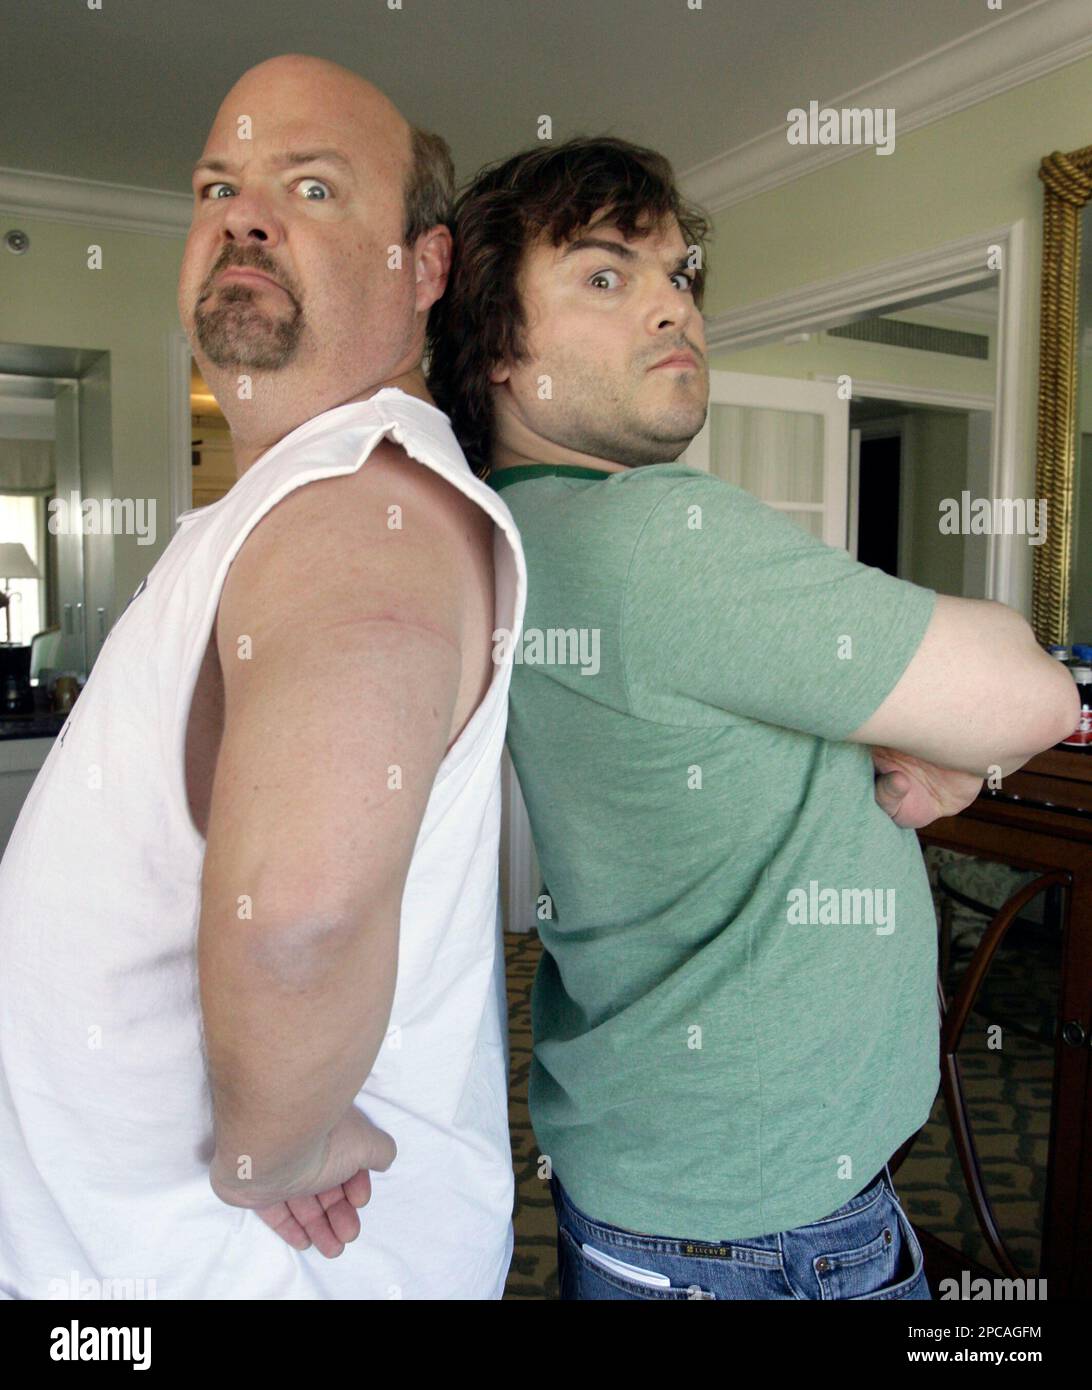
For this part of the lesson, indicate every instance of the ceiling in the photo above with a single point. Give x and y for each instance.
(125, 94)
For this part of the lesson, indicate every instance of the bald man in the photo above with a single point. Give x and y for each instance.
(248, 917)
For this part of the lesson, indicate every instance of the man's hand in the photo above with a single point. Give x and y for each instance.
(318, 1203)
(328, 1219)
(914, 792)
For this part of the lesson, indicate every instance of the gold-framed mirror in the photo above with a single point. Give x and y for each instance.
(1062, 575)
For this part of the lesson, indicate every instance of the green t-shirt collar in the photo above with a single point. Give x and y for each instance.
(522, 471)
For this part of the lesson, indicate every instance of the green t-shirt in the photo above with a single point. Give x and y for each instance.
(730, 1037)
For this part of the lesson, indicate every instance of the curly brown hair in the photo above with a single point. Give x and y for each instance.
(554, 192)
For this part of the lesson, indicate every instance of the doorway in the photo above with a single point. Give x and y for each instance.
(878, 465)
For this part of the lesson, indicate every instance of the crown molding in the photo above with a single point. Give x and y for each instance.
(913, 395)
(24, 193)
(1011, 50)
(896, 284)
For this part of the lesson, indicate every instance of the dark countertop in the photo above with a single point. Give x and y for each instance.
(44, 725)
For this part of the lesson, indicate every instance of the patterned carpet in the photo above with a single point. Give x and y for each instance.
(1008, 1090)
(533, 1273)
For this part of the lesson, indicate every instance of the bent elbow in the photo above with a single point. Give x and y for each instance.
(1057, 711)
(1068, 715)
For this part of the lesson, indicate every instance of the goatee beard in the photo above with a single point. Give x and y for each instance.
(229, 334)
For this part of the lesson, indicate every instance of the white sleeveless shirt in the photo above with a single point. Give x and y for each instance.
(105, 1111)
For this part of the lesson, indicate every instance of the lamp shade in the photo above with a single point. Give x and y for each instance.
(15, 563)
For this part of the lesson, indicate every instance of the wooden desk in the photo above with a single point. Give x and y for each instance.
(1042, 819)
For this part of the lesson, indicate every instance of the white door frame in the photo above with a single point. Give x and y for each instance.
(854, 490)
(899, 284)
(904, 426)
(179, 428)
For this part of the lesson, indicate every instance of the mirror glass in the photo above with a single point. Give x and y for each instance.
(55, 451)
(1080, 589)
(213, 461)
(924, 376)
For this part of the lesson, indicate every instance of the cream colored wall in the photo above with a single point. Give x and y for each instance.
(972, 172)
(940, 471)
(50, 297)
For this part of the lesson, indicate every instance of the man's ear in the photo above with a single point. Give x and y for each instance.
(432, 265)
(499, 372)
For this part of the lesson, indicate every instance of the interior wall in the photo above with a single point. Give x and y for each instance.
(127, 308)
(823, 355)
(976, 548)
(939, 460)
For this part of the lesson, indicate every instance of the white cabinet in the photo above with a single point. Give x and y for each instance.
(20, 759)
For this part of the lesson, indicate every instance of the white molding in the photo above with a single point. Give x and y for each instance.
(1011, 434)
(895, 284)
(914, 395)
(179, 428)
(1007, 52)
(24, 193)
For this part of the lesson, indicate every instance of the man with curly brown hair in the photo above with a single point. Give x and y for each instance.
(734, 1018)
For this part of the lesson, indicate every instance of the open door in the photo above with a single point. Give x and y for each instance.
(784, 441)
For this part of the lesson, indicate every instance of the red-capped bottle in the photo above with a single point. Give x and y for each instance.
(1080, 740)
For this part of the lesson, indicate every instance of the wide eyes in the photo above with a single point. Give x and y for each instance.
(314, 190)
(604, 275)
(601, 280)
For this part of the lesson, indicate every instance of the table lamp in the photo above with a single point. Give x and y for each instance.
(15, 563)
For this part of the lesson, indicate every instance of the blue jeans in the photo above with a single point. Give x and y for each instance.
(864, 1250)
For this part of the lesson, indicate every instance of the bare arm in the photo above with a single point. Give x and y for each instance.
(979, 691)
(334, 729)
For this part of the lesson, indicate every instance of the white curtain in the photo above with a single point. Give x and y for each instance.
(26, 466)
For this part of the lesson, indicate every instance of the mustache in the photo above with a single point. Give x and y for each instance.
(684, 346)
(247, 258)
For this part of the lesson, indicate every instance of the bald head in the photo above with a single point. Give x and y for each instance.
(303, 68)
(317, 244)
(315, 92)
